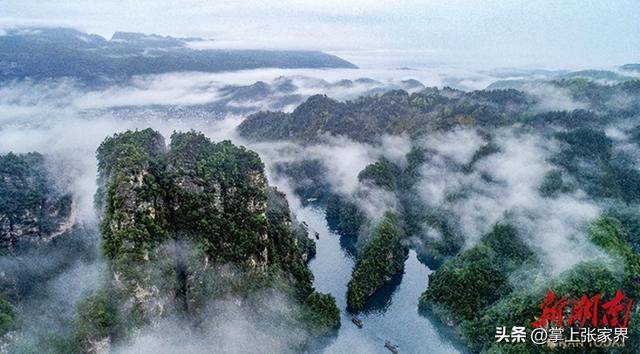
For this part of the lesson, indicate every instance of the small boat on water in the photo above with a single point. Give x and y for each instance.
(392, 347)
(357, 321)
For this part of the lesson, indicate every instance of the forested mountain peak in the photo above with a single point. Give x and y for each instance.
(190, 223)
(431, 109)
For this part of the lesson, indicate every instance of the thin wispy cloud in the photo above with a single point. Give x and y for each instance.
(489, 33)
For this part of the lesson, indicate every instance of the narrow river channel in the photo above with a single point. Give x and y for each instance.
(391, 315)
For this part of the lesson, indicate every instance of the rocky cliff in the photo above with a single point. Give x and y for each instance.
(189, 224)
(31, 209)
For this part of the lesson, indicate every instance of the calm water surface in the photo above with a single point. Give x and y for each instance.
(393, 312)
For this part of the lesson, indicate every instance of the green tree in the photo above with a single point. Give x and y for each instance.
(380, 259)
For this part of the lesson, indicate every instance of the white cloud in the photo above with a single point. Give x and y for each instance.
(504, 187)
(552, 98)
(488, 33)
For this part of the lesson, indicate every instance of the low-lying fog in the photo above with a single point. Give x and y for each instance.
(67, 120)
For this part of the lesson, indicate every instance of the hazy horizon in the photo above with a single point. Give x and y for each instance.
(545, 34)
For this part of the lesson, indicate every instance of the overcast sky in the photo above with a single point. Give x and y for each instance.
(490, 33)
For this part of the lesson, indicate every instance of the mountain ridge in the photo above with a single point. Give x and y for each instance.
(64, 52)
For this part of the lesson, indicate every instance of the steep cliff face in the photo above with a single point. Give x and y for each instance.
(134, 221)
(30, 207)
(381, 258)
(177, 222)
(218, 199)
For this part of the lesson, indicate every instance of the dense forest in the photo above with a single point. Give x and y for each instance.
(432, 109)
(172, 218)
(381, 258)
(319, 177)
(181, 227)
(501, 276)
(31, 208)
(501, 193)
(492, 299)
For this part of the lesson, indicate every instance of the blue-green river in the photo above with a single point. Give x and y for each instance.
(393, 312)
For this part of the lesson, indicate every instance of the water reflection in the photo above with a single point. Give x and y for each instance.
(391, 314)
(382, 299)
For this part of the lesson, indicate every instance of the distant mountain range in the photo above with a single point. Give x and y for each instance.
(280, 94)
(399, 112)
(623, 73)
(58, 52)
